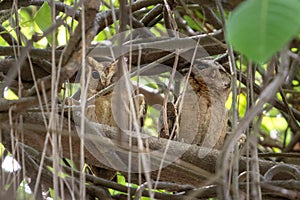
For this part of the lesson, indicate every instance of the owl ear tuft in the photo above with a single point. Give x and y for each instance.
(114, 66)
(95, 64)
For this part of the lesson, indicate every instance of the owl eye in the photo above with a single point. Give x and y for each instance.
(95, 75)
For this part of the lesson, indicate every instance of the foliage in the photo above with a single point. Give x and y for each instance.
(43, 19)
(258, 29)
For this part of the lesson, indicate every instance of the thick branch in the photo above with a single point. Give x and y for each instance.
(189, 167)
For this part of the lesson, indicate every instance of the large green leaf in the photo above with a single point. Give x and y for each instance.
(43, 19)
(260, 28)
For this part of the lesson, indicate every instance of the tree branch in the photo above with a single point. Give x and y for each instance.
(189, 167)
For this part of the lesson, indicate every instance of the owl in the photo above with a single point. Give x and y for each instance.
(211, 84)
(101, 108)
(102, 75)
(203, 115)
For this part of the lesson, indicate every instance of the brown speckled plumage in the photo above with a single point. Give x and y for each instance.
(203, 117)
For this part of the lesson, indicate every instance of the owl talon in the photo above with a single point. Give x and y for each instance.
(166, 130)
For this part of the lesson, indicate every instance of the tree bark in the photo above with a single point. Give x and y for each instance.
(193, 164)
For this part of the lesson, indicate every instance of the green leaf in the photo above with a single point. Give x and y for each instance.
(10, 95)
(260, 28)
(43, 19)
(194, 25)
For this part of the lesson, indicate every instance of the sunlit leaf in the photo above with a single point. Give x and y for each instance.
(276, 123)
(1, 150)
(191, 23)
(122, 181)
(10, 95)
(259, 28)
(242, 103)
(43, 19)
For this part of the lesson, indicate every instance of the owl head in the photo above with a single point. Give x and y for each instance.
(102, 74)
(213, 75)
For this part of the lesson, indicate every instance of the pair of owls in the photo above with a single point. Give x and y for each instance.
(203, 116)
